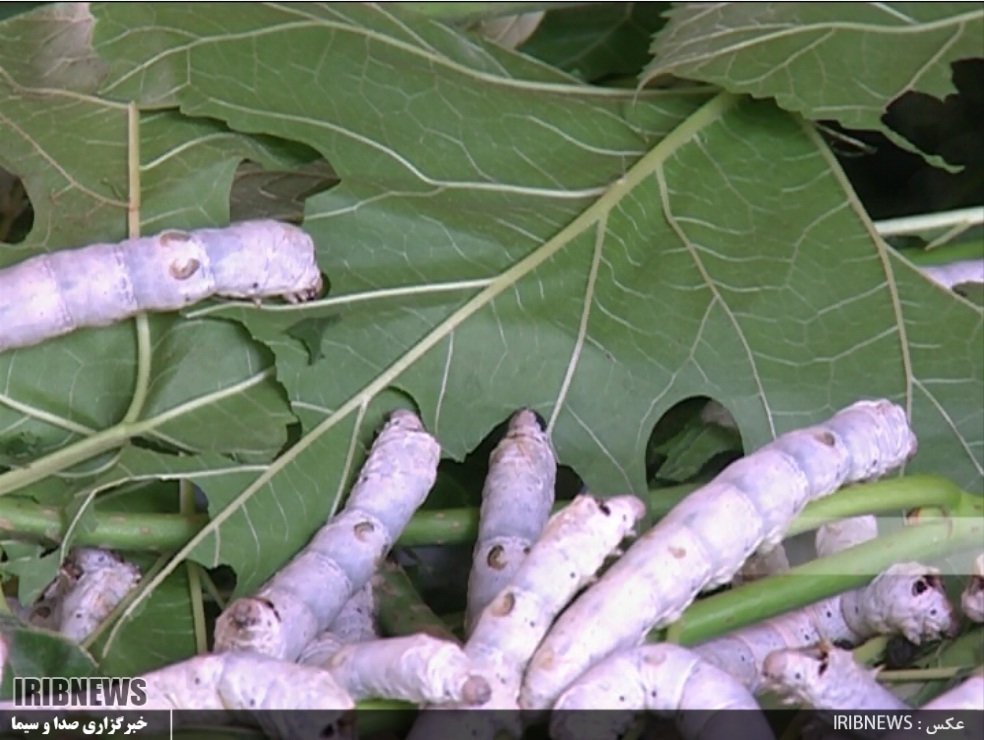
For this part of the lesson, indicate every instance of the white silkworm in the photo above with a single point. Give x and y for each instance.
(706, 538)
(908, 598)
(972, 598)
(304, 598)
(573, 546)
(826, 677)
(835, 537)
(762, 565)
(955, 273)
(55, 293)
(516, 501)
(354, 623)
(91, 584)
(243, 681)
(416, 668)
(661, 678)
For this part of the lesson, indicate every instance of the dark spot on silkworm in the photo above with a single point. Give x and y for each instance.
(363, 530)
(503, 604)
(184, 270)
(843, 644)
(825, 438)
(920, 587)
(270, 606)
(678, 552)
(495, 559)
(604, 508)
(540, 421)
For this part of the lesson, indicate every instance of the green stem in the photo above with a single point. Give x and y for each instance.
(114, 437)
(826, 577)
(24, 519)
(930, 221)
(186, 494)
(964, 250)
(66, 457)
(142, 326)
(919, 675)
(142, 381)
(899, 494)
(400, 610)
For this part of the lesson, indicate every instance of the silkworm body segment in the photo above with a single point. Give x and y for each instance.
(55, 293)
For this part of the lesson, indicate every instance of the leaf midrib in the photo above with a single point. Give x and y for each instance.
(641, 170)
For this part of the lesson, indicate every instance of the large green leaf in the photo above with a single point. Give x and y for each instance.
(841, 61)
(503, 237)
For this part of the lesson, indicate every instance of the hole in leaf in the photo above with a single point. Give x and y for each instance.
(16, 211)
(693, 441)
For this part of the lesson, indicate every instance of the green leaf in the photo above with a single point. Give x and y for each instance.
(842, 61)
(209, 389)
(34, 652)
(451, 12)
(76, 174)
(599, 40)
(501, 238)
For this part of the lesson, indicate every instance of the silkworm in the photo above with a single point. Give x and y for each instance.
(516, 501)
(415, 668)
(89, 586)
(907, 598)
(98, 285)
(706, 538)
(972, 598)
(955, 273)
(571, 549)
(354, 623)
(662, 678)
(303, 598)
(826, 677)
(573, 546)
